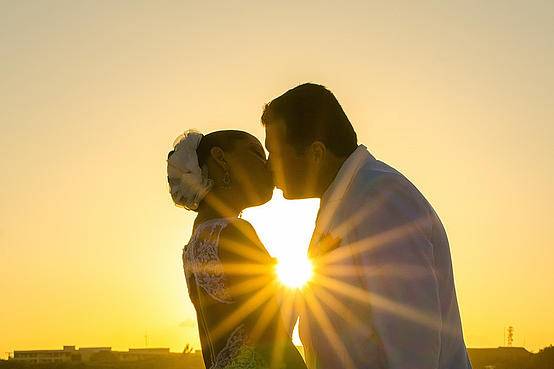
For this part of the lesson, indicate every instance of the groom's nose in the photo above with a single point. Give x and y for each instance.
(269, 165)
(271, 175)
(275, 168)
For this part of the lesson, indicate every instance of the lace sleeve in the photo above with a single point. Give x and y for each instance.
(201, 259)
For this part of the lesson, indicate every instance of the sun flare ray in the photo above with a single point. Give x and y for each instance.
(317, 311)
(247, 307)
(380, 302)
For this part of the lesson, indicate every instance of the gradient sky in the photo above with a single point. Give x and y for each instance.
(456, 95)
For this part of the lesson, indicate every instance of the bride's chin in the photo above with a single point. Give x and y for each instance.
(262, 198)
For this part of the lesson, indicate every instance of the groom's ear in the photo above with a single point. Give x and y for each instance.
(318, 151)
(218, 155)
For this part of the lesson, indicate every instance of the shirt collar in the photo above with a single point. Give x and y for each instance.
(346, 174)
(338, 188)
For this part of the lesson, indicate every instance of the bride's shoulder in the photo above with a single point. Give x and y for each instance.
(239, 230)
(240, 225)
(240, 238)
(224, 229)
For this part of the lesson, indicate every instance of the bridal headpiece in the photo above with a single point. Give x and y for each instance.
(188, 183)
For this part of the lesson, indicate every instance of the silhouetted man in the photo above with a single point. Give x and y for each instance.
(383, 294)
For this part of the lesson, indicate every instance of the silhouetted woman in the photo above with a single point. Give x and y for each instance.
(230, 276)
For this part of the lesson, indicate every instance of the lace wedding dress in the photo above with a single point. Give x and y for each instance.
(209, 290)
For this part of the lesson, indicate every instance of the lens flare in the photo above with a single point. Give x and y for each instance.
(295, 273)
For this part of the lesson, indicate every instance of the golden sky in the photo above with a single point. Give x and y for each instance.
(456, 96)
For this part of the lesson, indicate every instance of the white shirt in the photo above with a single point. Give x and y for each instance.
(383, 294)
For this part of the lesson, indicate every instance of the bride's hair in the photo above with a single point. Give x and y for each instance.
(225, 139)
(194, 193)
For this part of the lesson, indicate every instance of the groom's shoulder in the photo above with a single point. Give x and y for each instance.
(376, 175)
(378, 179)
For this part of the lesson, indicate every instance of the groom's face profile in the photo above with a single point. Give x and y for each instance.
(288, 167)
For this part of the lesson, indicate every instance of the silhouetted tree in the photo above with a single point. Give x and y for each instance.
(544, 359)
(188, 349)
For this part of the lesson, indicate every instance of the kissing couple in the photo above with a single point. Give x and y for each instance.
(382, 294)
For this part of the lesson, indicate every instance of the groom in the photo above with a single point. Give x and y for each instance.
(383, 293)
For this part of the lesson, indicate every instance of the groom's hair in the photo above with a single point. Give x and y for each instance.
(311, 112)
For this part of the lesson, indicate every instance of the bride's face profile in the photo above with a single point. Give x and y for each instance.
(250, 175)
(249, 180)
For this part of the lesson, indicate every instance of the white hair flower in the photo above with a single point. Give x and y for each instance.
(188, 183)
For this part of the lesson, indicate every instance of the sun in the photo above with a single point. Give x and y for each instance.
(295, 273)
(285, 228)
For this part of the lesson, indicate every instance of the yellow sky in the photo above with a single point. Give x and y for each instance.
(457, 97)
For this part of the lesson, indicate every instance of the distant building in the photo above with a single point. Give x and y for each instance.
(87, 354)
(67, 354)
(499, 358)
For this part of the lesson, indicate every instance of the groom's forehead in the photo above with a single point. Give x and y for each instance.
(275, 134)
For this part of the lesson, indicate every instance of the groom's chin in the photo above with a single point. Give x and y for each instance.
(297, 195)
(291, 196)
(289, 193)
(287, 196)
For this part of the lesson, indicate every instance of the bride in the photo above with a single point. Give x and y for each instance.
(230, 275)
